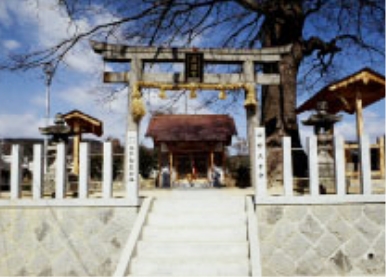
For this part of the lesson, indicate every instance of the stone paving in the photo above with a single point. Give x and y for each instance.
(332, 240)
(75, 241)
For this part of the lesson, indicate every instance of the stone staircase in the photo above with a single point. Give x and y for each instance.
(193, 235)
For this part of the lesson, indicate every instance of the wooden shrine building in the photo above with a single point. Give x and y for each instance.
(191, 145)
(81, 123)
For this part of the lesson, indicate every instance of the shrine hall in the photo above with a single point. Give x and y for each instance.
(191, 146)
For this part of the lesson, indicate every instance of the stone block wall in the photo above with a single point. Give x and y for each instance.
(63, 241)
(317, 240)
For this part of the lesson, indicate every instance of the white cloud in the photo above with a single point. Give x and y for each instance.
(11, 44)
(23, 125)
(346, 129)
(48, 25)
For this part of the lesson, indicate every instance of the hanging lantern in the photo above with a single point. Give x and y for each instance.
(222, 95)
(193, 93)
(162, 93)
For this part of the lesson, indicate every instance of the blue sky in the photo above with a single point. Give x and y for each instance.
(78, 83)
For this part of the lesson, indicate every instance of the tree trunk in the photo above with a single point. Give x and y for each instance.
(279, 102)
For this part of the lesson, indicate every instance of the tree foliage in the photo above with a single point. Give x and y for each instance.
(319, 27)
(319, 30)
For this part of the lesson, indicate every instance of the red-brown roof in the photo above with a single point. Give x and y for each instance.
(170, 128)
(341, 95)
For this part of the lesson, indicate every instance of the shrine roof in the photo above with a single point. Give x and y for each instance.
(87, 123)
(172, 128)
(341, 94)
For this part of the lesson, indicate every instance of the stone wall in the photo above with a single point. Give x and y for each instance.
(63, 241)
(332, 240)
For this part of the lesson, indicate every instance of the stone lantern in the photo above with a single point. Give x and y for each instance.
(59, 132)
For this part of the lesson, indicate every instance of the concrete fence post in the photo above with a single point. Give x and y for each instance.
(365, 164)
(287, 166)
(340, 166)
(84, 169)
(312, 146)
(61, 174)
(37, 174)
(107, 170)
(16, 171)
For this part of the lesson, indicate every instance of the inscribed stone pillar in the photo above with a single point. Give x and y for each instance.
(131, 164)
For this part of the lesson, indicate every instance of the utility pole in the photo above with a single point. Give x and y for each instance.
(48, 71)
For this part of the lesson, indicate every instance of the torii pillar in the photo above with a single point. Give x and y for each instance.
(131, 163)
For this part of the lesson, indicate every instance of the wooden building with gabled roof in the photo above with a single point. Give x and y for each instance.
(191, 144)
(81, 123)
(350, 94)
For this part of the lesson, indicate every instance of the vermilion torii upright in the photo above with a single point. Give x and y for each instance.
(137, 79)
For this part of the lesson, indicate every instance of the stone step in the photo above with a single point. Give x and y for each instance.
(176, 219)
(169, 249)
(236, 233)
(197, 194)
(189, 267)
(234, 204)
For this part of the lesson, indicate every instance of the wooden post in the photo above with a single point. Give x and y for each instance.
(287, 167)
(170, 168)
(176, 164)
(16, 172)
(160, 158)
(75, 151)
(313, 165)
(211, 160)
(107, 170)
(381, 144)
(37, 174)
(170, 161)
(359, 114)
(84, 173)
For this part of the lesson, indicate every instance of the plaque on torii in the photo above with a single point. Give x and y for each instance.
(192, 78)
(194, 67)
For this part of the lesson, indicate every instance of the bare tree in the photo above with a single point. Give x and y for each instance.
(319, 30)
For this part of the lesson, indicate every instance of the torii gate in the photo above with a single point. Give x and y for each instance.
(192, 79)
